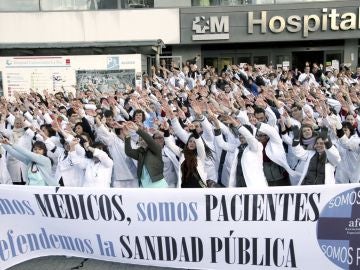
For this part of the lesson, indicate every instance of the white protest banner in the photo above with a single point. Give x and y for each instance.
(307, 227)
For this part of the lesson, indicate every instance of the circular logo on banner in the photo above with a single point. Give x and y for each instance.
(338, 229)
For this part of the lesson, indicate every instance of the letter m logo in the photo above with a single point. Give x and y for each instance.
(219, 26)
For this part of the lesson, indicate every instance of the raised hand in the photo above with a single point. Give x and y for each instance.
(5, 141)
(250, 110)
(196, 107)
(133, 126)
(42, 134)
(260, 103)
(164, 125)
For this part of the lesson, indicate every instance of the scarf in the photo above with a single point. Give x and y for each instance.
(17, 133)
(308, 143)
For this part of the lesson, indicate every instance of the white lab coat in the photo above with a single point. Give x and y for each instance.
(201, 155)
(97, 174)
(251, 161)
(333, 159)
(348, 171)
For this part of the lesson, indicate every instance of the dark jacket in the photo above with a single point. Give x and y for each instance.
(150, 157)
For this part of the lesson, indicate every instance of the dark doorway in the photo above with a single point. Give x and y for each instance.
(300, 58)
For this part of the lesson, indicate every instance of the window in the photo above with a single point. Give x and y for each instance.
(244, 59)
(67, 4)
(281, 58)
(235, 2)
(19, 5)
(78, 4)
(140, 3)
(205, 3)
(330, 56)
(261, 60)
(211, 62)
(219, 63)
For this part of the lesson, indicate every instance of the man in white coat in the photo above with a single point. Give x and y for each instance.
(276, 167)
(124, 174)
(348, 143)
(246, 160)
(307, 78)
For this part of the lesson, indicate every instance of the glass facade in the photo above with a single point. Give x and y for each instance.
(205, 3)
(19, 5)
(53, 5)
(61, 5)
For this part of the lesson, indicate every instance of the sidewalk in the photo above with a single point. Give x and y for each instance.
(63, 263)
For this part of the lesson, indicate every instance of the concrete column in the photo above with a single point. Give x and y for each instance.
(351, 53)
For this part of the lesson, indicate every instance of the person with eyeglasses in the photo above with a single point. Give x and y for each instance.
(149, 157)
(37, 162)
(171, 163)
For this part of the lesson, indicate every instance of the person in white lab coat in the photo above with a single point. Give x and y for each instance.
(98, 165)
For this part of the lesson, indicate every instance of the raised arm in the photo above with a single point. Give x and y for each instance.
(129, 151)
(10, 149)
(40, 159)
(250, 139)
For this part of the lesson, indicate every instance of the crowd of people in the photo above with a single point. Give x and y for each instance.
(189, 127)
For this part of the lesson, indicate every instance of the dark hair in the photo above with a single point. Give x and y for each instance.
(139, 111)
(318, 138)
(258, 110)
(49, 129)
(249, 128)
(296, 106)
(189, 165)
(102, 99)
(82, 141)
(59, 93)
(79, 124)
(41, 145)
(61, 108)
(108, 113)
(126, 101)
(70, 112)
(102, 147)
(349, 127)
